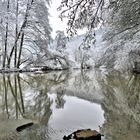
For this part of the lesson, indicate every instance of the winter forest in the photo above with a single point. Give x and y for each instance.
(70, 76)
(111, 37)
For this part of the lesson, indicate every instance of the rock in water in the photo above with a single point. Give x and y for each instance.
(88, 135)
(85, 134)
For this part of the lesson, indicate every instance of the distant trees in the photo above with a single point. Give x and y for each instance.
(61, 41)
(24, 30)
(58, 55)
(62, 57)
(86, 51)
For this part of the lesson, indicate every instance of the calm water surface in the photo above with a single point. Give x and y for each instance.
(60, 103)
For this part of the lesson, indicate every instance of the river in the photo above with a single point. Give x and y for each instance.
(59, 103)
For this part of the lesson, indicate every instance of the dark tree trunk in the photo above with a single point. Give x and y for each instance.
(6, 37)
(16, 34)
(20, 50)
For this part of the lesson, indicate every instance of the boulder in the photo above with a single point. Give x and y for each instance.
(85, 134)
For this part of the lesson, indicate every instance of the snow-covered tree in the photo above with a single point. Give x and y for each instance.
(38, 25)
(61, 41)
(81, 13)
(120, 22)
(122, 34)
(59, 56)
(89, 14)
(37, 33)
(25, 30)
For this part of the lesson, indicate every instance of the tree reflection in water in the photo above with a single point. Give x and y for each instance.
(121, 105)
(26, 98)
(14, 105)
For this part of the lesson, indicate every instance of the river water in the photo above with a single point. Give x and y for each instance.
(59, 103)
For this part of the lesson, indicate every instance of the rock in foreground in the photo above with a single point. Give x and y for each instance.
(85, 134)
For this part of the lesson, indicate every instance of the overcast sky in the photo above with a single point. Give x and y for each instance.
(56, 22)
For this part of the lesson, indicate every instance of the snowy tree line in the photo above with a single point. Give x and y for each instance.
(119, 23)
(24, 31)
(112, 38)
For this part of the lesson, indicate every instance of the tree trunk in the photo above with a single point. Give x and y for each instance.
(23, 26)
(16, 34)
(13, 93)
(5, 94)
(21, 94)
(6, 37)
(16, 95)
(20, 50)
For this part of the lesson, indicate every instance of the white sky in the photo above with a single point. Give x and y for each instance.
(56, 22)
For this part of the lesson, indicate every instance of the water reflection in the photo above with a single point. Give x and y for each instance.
(62, 102)
(121, 106)
(78, 114)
